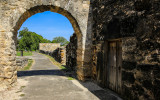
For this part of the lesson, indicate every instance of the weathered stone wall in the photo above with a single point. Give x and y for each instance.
(71, 54)
(137, 23)
(8, 68)
(48, 47)
(59, 55)
(21, 62)
(14, 12)
(54, 50)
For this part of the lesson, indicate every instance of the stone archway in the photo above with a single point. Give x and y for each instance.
(14, 13)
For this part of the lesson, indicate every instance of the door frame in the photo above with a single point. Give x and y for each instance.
(106, 54)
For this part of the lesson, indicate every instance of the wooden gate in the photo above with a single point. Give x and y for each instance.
(114, 64)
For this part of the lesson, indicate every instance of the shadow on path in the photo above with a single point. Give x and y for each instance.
(93, 88)
(40, 72)
(102, 94)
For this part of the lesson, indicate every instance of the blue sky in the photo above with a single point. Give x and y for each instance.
(49, 25)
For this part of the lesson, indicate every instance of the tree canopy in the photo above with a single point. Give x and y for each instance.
(30, 40)
(63, 41)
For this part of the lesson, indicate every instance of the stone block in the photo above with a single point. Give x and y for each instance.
(80, 75)
(147, 84)
(156, 73)
(8, 75)
(1, 80)
(138, 75)
(145, 67)
(48, 47)
(8, 82)
(8, 69)
(127, 92)
(139, 89)
(155, 89)
(128, 77)
(126, 65)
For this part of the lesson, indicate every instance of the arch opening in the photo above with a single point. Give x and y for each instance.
(43, 8)
(77, 17)
(40, 9)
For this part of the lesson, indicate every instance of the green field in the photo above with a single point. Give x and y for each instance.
(25, 53)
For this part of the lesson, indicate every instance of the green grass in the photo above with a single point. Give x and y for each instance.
(70, 78)
(18, 91)
(29, 65)
(22, 87)
(25, 53)
(55, 62)
(22, 95)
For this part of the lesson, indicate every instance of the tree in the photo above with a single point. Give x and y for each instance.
(25, 40)
(29, 41)
(46, 41)
(60, 40)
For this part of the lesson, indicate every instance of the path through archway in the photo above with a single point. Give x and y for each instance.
(16, 12)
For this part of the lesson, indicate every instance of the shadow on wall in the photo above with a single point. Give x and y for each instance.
(58, 54)
(71, 53)
(137, 24)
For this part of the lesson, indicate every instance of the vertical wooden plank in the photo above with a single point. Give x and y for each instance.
(112, 64)
(119, 66)
(108, 64)
(105, 64)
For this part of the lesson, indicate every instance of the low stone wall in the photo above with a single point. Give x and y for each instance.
(48, 47)
(71, 54)
(21, 61)
(54, 50)
(59, 55)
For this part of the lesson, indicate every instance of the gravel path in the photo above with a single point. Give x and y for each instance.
(47, 82)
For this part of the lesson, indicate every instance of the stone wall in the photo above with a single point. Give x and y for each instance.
(21, 61)
(48, 47)
(54, 50)
(13, 13)
(71, 54)
(59, 55)
(137, 24)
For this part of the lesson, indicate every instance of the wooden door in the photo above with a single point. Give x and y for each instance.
(114, 63)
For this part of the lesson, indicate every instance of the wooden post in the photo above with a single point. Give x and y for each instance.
(21, 52)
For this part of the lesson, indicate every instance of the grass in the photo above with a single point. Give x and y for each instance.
(55, 62)
(25, 53)
(22, 87)
(70, 78)
(29, 65)
(18, 91)
(22, 95)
